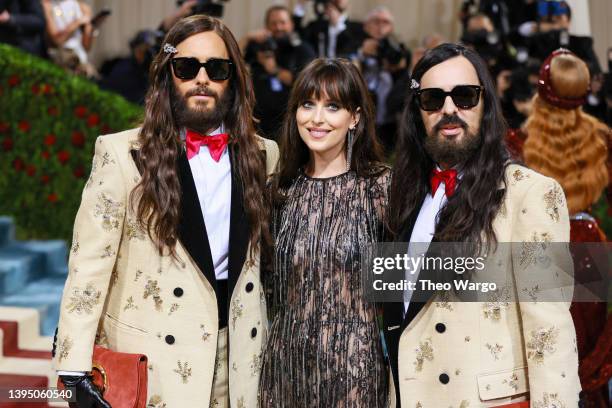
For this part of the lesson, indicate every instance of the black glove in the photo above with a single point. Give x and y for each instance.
(87, 393)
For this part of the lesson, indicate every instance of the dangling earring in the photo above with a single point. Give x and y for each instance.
(349, 148)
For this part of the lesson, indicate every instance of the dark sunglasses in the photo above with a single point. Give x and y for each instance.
(463, 96)
(187, 68)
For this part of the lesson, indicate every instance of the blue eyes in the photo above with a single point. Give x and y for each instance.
(331, 106)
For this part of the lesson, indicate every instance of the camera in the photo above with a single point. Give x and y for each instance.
(212, 8)
(390, 50)
(268, 45)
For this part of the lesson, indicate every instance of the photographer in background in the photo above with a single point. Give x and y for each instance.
(384, 61)
(22, 24)
(276, 55)
(332, 34)
(129, 76)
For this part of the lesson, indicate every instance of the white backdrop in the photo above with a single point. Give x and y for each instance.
(414, 19)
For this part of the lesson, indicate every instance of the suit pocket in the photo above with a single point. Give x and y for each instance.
(122, 326)
(503, 383)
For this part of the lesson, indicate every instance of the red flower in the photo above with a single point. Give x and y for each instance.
(79, 172)
(80, 111)
(14, 80)
(36, 89)
(93, 120)
(52, 111)
(30, 170)
(52, 198)
(45, 154)
(105, 130)
(50, 140)
(18, 164)
(45, 179)
(63, 156)
(7, 144)
(78, 138)
(24, 126)
(4, 127)
(47, 89)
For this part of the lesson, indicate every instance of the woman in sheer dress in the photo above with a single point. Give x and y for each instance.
(329, 197)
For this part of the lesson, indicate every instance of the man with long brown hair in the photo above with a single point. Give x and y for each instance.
(165, 253)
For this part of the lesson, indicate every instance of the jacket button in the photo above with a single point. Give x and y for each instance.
(444, 379)
(249, 286)
(440, 327)
(178, 292)
(253, 332)
(170, 339)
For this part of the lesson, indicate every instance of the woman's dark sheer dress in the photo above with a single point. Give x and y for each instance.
(324, 346)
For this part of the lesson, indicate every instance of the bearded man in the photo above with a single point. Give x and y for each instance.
(453, 183)
(165, 253)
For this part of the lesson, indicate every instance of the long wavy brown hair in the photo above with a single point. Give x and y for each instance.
(568, 145)
(158, 195)
(339, 80)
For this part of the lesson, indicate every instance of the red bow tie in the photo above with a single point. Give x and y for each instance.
(448, 177)
(216, 144)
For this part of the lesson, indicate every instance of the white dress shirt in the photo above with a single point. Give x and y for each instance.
(333, 32)
(423, 232)
(213, 181)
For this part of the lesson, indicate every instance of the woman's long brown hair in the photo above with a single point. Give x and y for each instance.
(158, 195)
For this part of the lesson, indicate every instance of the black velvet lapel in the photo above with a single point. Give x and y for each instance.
(191, 229)
(240, 228)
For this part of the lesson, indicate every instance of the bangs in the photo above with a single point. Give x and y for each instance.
(328, 81)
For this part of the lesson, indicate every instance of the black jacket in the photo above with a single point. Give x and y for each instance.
(26, 26)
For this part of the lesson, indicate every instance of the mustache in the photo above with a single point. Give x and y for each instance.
(450, 120)
(202, 90)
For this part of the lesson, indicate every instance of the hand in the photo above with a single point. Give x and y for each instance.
(369, 47)
(259, 36)
(186, 8)
(87, 394)
(5, 16)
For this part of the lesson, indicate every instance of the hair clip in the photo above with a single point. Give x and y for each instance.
(414, 84)
(169, 49)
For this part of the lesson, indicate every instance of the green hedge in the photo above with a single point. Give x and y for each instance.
(49, 121)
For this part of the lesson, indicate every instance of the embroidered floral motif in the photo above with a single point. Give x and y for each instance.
(156, 402)
(83, 301)
(237, 309)
(241, 403)
(184, 371)
(518, 175)
(512, 382)
(467, 339)
(205, 334)
(541, 342)
(444, 301)
(138, 274)
(532, 293)
(106, 159)
(109, 211)
(130, 304)
(464, 404)
(109, 252)
(64, 348)
(173, 308)
(133, 230)
(553, 199)
(533, 252)
(497, 301)
(101, 338)
(214, 403)
(255, 365)
(235, 366)
(74, 248)
(114, 278)
(423, 352)
(151, 289)
(495, 349)
(418, 405)
(503, 210)
(549, 401)
(249, 263)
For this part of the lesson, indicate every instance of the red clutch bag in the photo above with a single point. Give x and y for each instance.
(121, 377)
(522, 404)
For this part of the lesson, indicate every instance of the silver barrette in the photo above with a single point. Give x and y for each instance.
(170, 49)
(414, 84)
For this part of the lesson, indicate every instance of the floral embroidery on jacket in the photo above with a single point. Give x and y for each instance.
(64, 348)
(109, 211)
(541, 342)
(83, 301)
(184, 371)
(151, 289)
(498, 300)
(553, 199)
(549, 401)
(495, 349)
(423, 352)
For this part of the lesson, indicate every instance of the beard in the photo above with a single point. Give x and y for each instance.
(450, 152)
(201, 118)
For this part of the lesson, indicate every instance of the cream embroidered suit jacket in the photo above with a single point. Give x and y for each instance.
(123, 295)
(483, 354)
